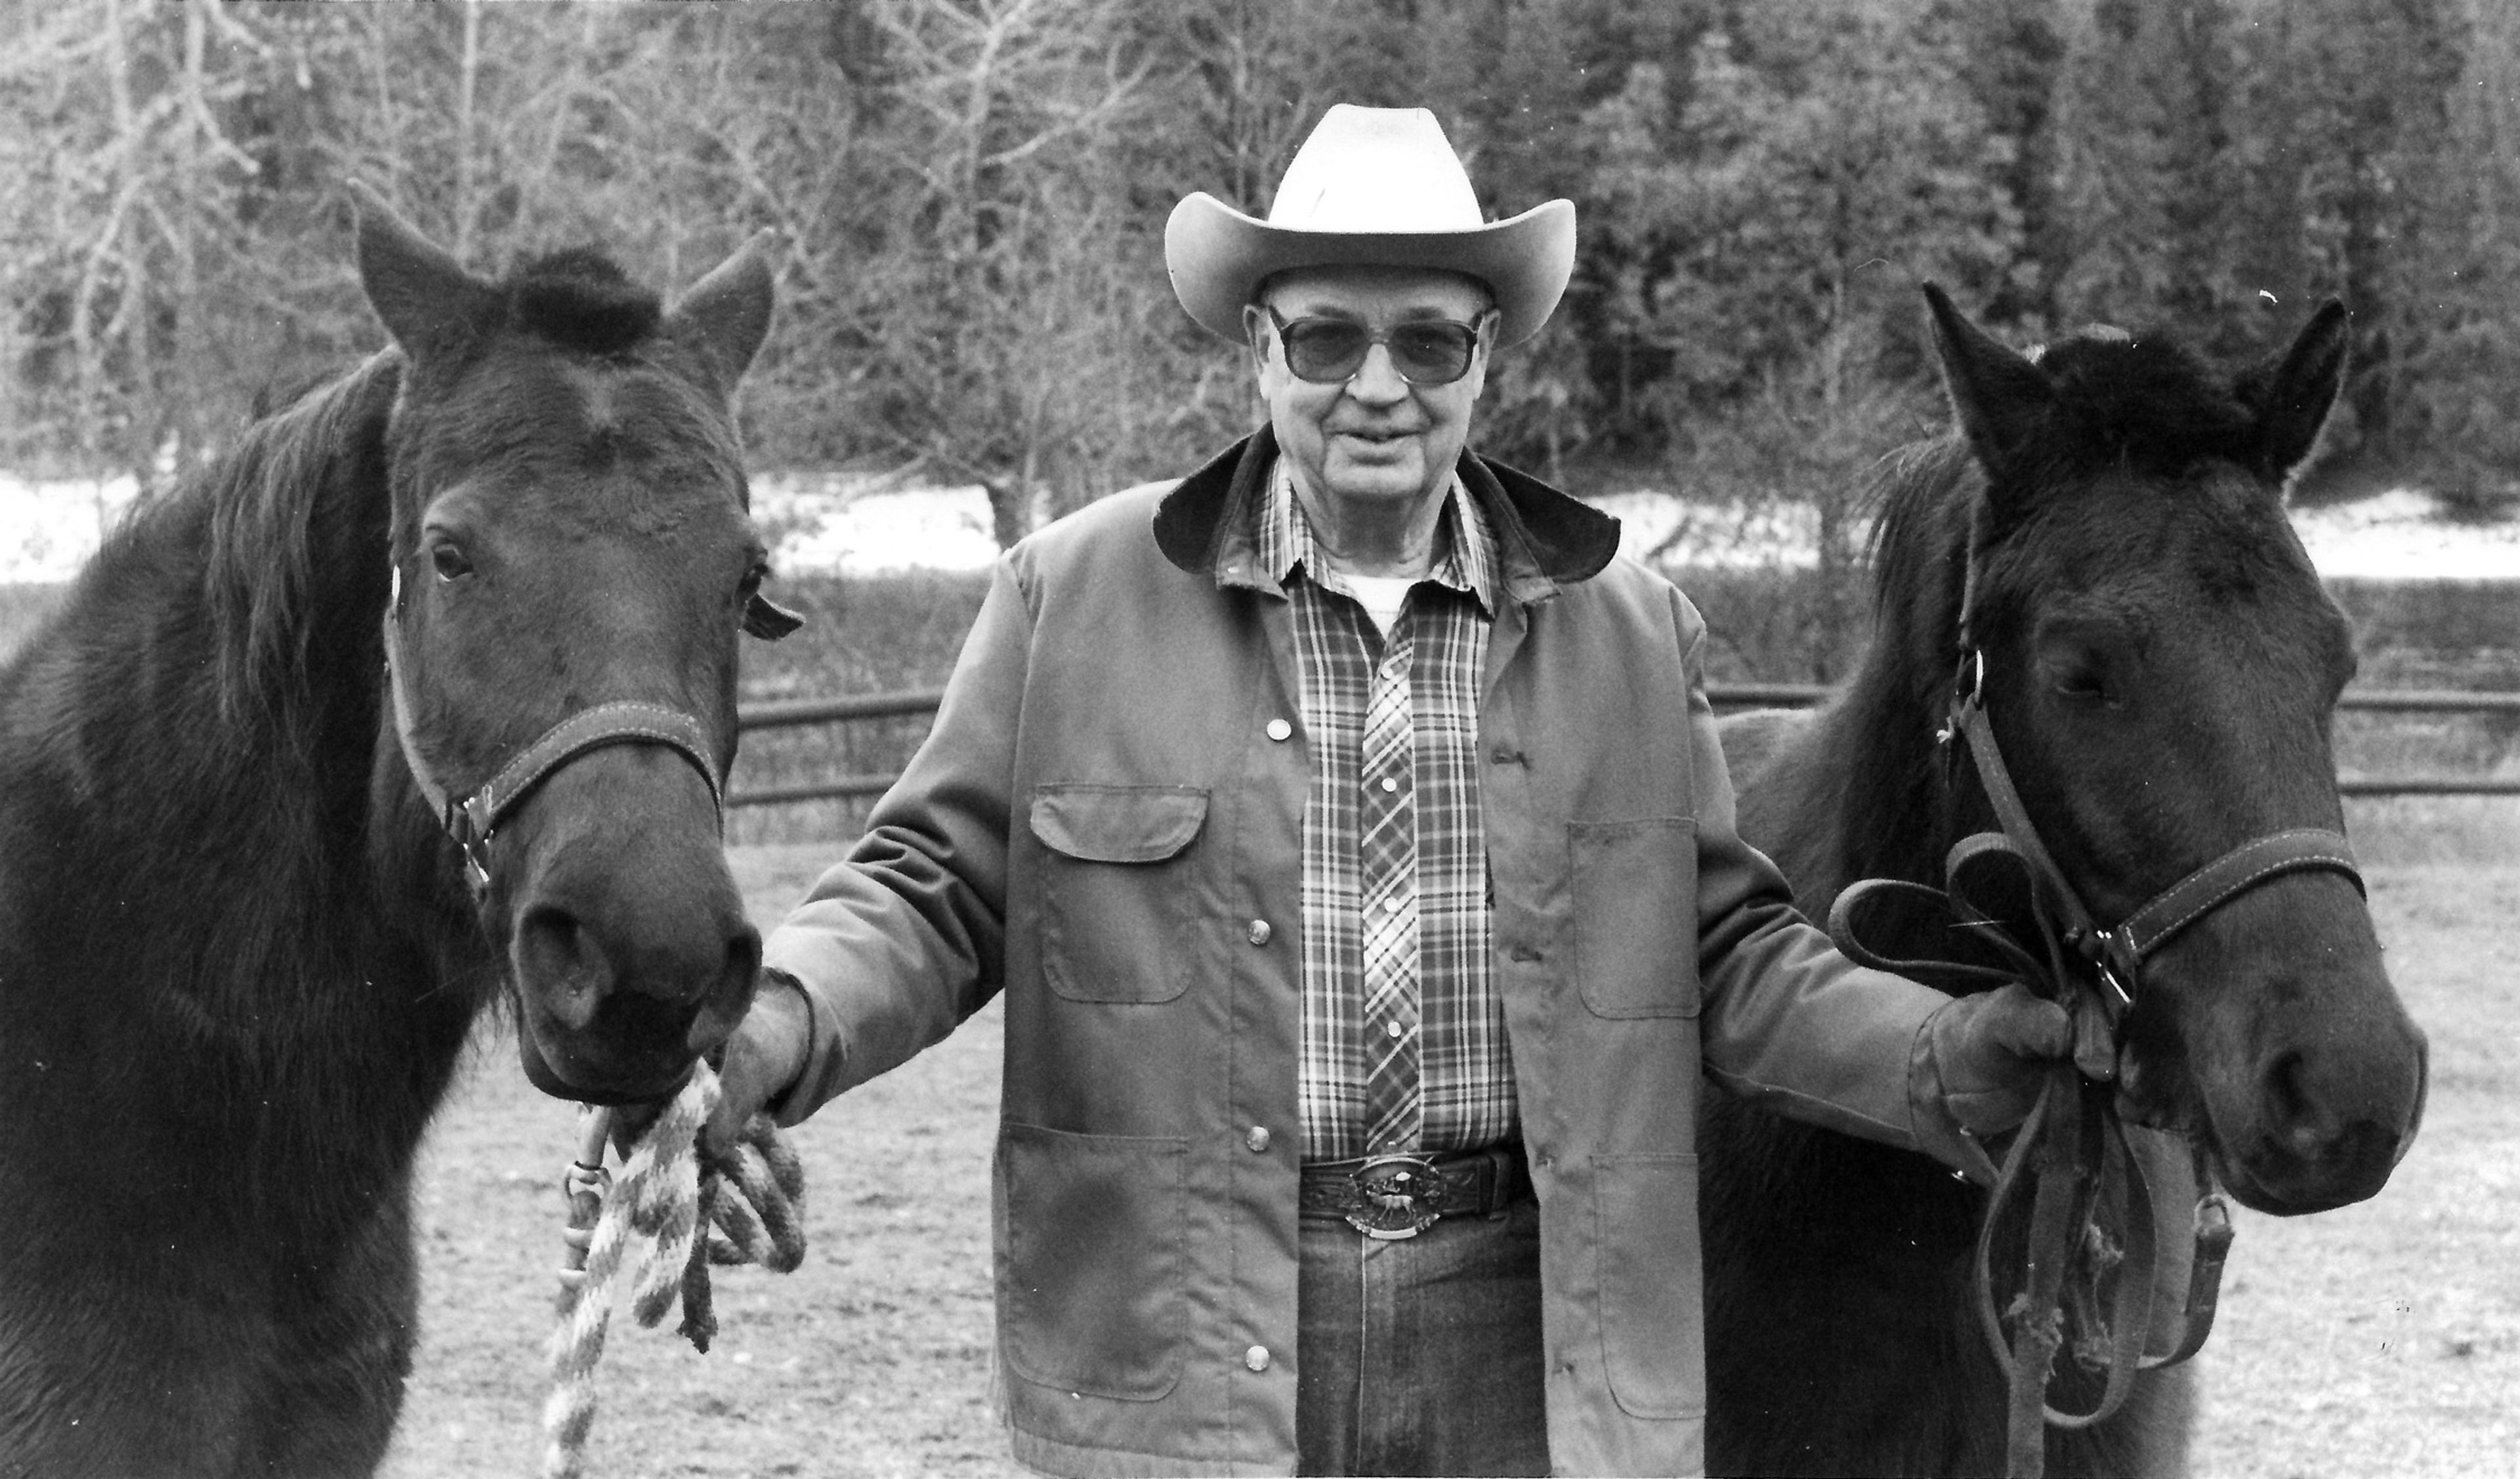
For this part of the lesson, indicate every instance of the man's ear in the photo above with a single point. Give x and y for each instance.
(1256, 335)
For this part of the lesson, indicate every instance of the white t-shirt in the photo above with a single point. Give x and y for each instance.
(1380, 596)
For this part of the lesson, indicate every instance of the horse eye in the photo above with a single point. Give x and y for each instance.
(2084, 684)
(448, 561)
(2083, 676)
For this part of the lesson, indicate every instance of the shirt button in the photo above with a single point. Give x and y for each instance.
(1256, 1138)
(1279, 729)
(1391, 783)
(1394, 1027)
(1257, 1357)
(1259, 931)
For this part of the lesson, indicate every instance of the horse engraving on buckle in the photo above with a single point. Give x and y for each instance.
(1398, 1197)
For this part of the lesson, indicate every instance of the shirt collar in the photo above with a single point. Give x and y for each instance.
(1206, 523)
(1285, 540)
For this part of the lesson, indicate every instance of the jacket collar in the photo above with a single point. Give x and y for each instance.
(1208, 523)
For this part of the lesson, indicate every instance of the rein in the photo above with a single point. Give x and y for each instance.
(472, 818)
(2073, 1145)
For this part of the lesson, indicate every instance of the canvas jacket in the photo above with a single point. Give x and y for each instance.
(1103, 826)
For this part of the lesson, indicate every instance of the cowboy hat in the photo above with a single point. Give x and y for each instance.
(1371, 187)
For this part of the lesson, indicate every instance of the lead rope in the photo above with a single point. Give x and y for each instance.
(647, 1227)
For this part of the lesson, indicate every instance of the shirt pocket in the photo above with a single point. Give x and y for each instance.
(1632, 887)
(1118, 900)
(1653, 1328)
(1097, 1251)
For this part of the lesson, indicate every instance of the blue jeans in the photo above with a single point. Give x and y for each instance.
(1423, 1356)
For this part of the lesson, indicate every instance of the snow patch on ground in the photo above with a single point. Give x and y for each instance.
(855, 526)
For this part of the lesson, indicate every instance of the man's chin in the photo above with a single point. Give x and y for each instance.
(1395, 473)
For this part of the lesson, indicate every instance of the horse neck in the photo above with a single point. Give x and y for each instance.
(210, 702)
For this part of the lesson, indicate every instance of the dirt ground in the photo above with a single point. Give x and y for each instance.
(2379, 1339)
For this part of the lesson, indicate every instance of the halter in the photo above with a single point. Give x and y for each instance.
(471, 818)
(2073, 1142)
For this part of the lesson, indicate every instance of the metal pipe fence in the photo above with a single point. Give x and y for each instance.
(786, 714)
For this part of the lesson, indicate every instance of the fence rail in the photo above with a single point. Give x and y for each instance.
(789, 714)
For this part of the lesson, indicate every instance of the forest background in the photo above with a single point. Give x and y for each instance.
(970, 196)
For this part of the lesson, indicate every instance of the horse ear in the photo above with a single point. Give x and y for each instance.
(2294, 391)
(427, 300)
(767, 620)
(1998, 395)
(727, 313)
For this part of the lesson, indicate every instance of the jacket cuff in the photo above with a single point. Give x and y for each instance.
(821, 1035)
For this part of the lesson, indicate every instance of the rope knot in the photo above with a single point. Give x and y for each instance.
(656, 1227)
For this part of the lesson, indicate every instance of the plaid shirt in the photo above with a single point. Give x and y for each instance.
(1465, 1071)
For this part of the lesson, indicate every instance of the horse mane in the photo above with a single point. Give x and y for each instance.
(271, 502)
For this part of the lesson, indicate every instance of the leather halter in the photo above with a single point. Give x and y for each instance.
(2118, 954)
(472, 818)
(2073, 1142)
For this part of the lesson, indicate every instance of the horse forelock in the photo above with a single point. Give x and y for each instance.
(579, 300)
(2143, 401)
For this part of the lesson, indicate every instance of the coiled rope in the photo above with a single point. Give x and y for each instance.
(643, 1228)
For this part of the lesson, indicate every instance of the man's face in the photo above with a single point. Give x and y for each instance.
(1374, 438)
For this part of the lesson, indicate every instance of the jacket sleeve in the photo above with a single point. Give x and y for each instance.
(1786, 1018)
(906, 937)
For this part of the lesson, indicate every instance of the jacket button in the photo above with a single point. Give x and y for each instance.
(1279, 729)
(1256, 1138)
(1257, 1357)
(1259, 931)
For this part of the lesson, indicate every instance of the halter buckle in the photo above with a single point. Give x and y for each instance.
(468, 821)
(1968, 684)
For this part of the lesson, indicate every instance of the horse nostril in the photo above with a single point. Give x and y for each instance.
(2291, 1111)
(557, 954)
(2284, 1097)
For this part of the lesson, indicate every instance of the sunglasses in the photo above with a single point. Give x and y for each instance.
(1426, 352)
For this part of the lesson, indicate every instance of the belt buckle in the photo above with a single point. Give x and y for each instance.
(1398, 1197)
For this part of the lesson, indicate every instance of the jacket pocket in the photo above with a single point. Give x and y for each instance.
(1633, 891)
(1118, 905)
(1653, 1323)
(1095, 1255)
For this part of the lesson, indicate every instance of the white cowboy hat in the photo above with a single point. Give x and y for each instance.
(1376, 187)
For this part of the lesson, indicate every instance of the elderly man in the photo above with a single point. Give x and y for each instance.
(1345, 828)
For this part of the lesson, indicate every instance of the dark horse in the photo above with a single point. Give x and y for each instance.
(2161, 664)
(239, 955)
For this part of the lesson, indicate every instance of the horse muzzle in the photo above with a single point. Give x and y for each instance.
(2313, 1146)
(625, 936)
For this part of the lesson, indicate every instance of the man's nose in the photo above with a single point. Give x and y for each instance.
(1377, 380)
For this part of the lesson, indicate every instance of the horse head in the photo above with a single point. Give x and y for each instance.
(2161, 667)
(574, 561)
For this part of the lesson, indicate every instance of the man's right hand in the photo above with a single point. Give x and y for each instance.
(764, 1056)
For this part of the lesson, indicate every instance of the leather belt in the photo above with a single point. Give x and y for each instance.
(1389, 1197)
